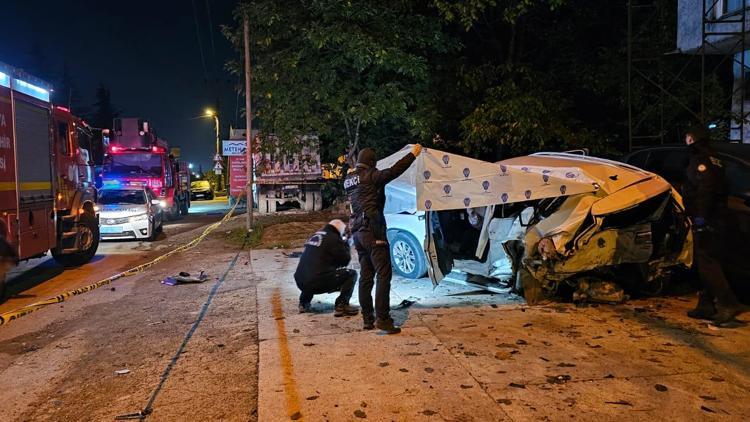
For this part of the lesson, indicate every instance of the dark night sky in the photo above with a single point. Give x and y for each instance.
(145, 52)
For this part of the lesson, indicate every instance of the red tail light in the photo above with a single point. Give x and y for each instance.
(115, 148)
(157, 149)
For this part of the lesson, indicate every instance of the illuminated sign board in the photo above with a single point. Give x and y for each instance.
(30, 90)
(233, 148)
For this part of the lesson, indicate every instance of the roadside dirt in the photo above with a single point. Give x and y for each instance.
(289, 235)
(282, 230)
(60, 363)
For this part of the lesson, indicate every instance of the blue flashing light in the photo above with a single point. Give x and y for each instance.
(712, 126)
(31, 90)
(4, 80)
(111, 183)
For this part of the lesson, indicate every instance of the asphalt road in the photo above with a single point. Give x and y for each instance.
(41, 278)
(236, 348)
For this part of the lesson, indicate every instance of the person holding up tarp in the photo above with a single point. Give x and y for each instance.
(365, 187)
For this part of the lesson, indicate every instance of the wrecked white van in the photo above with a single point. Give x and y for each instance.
(538, 221)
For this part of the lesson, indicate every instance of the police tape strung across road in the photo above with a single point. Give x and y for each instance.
(7, 317)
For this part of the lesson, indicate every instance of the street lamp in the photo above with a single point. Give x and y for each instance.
(211, 113)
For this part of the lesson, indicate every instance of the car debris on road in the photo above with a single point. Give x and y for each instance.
(184, 278)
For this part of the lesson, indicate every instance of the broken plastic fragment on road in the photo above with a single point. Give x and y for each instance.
(184, 278)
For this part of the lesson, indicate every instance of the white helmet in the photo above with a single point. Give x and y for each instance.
(340, 226)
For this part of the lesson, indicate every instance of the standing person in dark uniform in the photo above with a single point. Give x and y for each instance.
(705, 193)
(321, 269)
(365, 187)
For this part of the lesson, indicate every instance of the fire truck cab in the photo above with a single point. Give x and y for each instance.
(137, 157)
(47, 194)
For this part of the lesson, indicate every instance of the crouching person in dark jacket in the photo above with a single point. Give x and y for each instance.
(321, 269)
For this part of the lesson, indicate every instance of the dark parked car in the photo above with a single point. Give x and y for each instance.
(670, 162)
(201, 189)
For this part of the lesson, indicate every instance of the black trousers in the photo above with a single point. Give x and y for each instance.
(342, 280)
(709, 244)
(374, 258)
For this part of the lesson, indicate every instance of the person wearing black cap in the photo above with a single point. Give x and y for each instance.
(365, 187)
(321, 269)
(705, 193)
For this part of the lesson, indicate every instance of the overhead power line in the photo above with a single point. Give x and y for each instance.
(200, 41)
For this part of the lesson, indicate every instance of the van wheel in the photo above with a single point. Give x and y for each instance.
(88, 226)
(407, 257)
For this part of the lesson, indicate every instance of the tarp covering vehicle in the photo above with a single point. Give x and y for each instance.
(543, 219)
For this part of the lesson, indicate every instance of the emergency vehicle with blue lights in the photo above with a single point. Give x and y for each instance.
(137, 157)
(47, 192)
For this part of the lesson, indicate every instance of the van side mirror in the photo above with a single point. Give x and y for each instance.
(156, 202)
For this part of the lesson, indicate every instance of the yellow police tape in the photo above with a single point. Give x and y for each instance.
(7, 317)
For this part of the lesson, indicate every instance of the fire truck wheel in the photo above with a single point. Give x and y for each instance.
(152, 232)
(184, 207)
(89, 227)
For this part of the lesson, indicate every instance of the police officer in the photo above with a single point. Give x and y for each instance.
(365, 187)
(705, 194)
(321, 269)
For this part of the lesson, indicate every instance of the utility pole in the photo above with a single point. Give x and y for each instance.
(249, 130)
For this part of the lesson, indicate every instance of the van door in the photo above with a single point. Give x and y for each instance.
(439, 258)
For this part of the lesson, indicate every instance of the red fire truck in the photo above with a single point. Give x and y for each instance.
(47, 194)
(136, 156)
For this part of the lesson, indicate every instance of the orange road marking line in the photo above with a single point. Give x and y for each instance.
(290, 387)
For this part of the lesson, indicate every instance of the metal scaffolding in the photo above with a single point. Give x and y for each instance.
(725, 34)
(667, 88)
(654, 73)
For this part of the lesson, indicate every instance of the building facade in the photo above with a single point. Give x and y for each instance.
(721, 27)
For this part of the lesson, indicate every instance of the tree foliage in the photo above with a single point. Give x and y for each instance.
(487, 78)
(104, 112)
(521, 115)
(339, 69)
(67, 94)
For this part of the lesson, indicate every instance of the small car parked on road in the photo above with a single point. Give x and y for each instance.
(130, 212)
(201, 189)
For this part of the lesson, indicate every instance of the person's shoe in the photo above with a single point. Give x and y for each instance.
(705, 309)
(345, 310)
(387, 326)
(368, 326)
(304, 308)
(727, 313)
